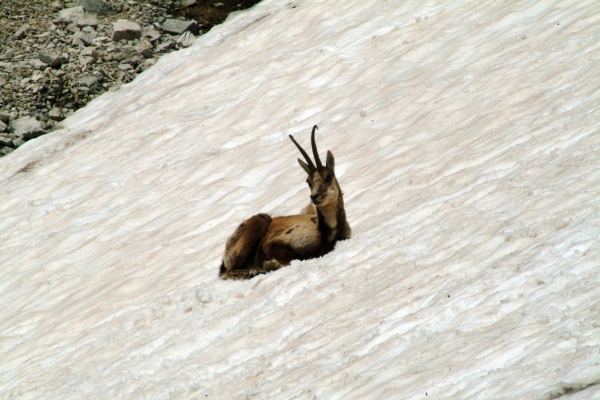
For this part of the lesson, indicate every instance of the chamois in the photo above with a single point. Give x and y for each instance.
(263, 243)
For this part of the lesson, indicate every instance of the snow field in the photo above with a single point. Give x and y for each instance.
(466, 143)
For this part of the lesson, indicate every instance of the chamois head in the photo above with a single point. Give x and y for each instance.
(324, 188)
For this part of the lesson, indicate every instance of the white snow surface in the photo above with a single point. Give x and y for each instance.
(467, 140)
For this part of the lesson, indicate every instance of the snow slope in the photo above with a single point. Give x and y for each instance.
(467, 139)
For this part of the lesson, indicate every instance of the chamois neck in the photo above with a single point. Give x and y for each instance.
(332, 218)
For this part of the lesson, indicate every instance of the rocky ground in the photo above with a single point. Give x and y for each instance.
(55, 57)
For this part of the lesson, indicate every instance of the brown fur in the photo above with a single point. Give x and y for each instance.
(262, 244)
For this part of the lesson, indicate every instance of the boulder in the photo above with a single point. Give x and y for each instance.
(177, 26)
(38, 64)
(5, 141)
(90, 52)
(87, 20)
(26, 127)
(72, 14)
(126, 30)
(83, 38)
(56, 114)
(88, 81)
(50, 57)
(4, 116)
(3, 126)
(99, 7)
(20, 33)
(187, 39)
(18, 142)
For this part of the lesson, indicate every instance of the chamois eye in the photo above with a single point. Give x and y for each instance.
(328, 179)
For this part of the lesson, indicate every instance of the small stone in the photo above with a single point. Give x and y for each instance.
(90, 52)
(125, 67)
(165, 46)
(20, 33)
(187, 39)
(57, 6)
(5, 141)
(145, 43)
(188, 3)
(86, 60)
(148, 63)
(83, 38)
(7, 55)
(18, 142)
(178, 26)
(37, 64)
(87, 20)
(50, 57)
(3, 126)
(6, 150)
(152, 35)
(88, 81)
(72, 14)
(144, 51)
(4, 116)
(125, 30)
(26, 127)
(99, 7)
(219, 6)
(56, 114)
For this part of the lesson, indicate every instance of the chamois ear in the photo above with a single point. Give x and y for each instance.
(304, 166)
(330, 161)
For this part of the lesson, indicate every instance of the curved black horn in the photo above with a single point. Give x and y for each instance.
(314, 149)
(306, 157)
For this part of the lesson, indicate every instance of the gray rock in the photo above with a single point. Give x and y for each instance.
(3, 126)
(87, 20)
(51, 57)
(178, 26)
(165, 46)
(72, 14)
(187, 39)
(86, 60)
(20, 33)
(56, 114)
(125, 67)
(57, 6)
(37, 64)
(88, 81)
(219, 6)
(90, 52)
(83, 38)
(8, 54)
(4, 116)
(133, 51)
(99, 7)
(187, 3)
(152, 35)
(26, 127)
(18, 143)
(126, 30)
(5, 141)
(6, 150)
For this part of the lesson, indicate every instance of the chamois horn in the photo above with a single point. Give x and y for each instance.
(311, 166)
(314, 149)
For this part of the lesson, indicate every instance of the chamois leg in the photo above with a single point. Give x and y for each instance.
(275, 257)
(242, 246)
(272, 257)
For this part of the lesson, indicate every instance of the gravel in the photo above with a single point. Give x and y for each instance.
(55, 57)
